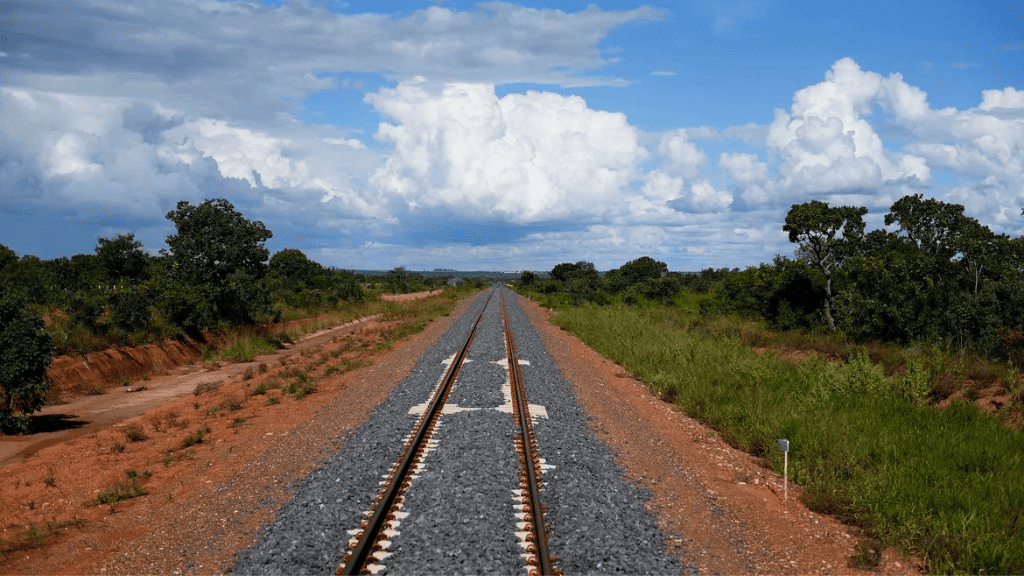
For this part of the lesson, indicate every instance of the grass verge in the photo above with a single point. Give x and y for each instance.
(944, 484)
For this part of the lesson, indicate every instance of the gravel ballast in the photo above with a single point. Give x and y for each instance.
(460, 507)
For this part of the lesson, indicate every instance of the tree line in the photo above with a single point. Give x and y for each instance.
(215, 273)
(938, 277)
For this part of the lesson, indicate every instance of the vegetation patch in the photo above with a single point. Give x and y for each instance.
(36, 536)
(865, 445)
(196, 437)
(121, 491)
(134, 433)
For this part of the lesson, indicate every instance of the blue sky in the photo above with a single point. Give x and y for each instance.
(500, 135)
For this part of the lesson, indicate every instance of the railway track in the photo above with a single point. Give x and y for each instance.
(370, 544)
(444, 477)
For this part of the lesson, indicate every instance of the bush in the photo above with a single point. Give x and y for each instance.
(86, 309)
(129, 309)
(25, 355)
(186, 307)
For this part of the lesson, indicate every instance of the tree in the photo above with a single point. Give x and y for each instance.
(294, 269)
(643, 268)
(25, 355)
(636, 271)
(566, 271)
(933, 226)
(528, 278)
(7, 256)
(814, 225)
(213, 241)
(122, 258)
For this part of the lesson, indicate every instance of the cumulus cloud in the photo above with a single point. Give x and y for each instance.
(826, 144)
(681, 155)
(524, 157)
(131, 156)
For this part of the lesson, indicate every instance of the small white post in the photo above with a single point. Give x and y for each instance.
(784, 446)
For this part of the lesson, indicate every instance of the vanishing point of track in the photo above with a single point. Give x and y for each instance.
(370, 542)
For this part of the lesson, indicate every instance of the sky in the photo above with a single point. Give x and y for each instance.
(500, 135)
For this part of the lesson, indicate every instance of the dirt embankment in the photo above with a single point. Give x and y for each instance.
(70, 376)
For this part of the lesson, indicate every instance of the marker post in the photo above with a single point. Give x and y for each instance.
(784, 446)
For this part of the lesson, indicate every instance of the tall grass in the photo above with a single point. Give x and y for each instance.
(946, 484)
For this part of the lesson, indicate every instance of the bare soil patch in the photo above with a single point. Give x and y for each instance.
(409, 296)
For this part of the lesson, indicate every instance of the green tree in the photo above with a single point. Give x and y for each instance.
(122, 258)
(528, 278)
(815, 226)
(215, 268)
(7, 256)
(933, 226)
(566, 271)
(25, 355)
(213, 241)
(294, 269)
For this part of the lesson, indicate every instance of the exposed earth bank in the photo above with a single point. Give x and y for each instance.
(216, 457)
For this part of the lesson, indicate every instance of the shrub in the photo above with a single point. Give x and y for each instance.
(129, 309)
(120, 491)
(25, 354)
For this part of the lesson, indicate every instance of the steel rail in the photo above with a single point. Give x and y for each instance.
(530, 473)
(398, 481)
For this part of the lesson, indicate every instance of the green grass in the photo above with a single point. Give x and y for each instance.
(866, 446)
(197, 437)
(243, 345)
(36, 536)
(121, 491)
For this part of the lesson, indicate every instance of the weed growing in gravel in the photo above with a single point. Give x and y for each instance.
(248, 375)
(120, 447)
(233, 403)
(346, 365)
(273, 400)
(261, 389)
(134, 433)
(36, 536)
(196, 437)
(304, 390)
(263, 368)
(51, 476)
(96, 390)
(121, 491)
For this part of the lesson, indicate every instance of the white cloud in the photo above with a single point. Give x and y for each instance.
(825, 143)
(524, 157)
(1008, 97)
(135, 156)
(704, 198)
(253, 61)
(682, 156)
(663, 73)
(746, 169)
